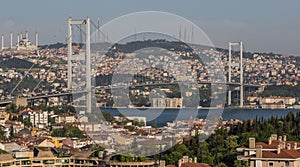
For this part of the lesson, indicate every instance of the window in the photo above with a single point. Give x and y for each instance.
(286, 164)
(258, 163)
(271, 164)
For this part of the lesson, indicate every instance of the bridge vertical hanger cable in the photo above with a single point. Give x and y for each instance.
(98, 32)
(103, 34)
(80, 36)
(47, 72)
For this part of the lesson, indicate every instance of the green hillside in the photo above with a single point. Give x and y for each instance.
(16, 63)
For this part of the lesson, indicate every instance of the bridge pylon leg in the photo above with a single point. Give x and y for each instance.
(87, 59)
(229, 98)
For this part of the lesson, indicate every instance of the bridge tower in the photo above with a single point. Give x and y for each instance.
(87, 59)
(241, 72)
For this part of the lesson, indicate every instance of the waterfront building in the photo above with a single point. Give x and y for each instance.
(277, 100)
(279, 105)
(167, 102)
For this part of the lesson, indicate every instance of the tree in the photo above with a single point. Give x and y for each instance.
(108, 117)
(239, 163)
(203, 153)
(51, 120)
(183, 149)
(11, 132)
(221, 164)
(27, 122)
(11, 108)
(71, 109)
(173, 157)
(230, 145)
(138, 123)
(68, 131)
(2, 135)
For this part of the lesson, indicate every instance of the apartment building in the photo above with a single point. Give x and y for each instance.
(45, 157)
(278, 152)
(167, 102)
(65, 118)
(38, 118)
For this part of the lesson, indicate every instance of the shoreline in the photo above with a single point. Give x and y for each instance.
(202, 108)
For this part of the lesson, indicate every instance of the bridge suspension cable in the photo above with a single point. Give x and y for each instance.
(27, 72)
(99, 30)
(47, 72)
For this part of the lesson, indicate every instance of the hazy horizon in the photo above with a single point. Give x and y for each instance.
(263, 26)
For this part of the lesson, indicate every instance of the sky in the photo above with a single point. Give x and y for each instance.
(263, 26)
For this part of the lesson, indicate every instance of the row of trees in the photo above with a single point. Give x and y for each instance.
(68, 131)
(282, 90)
(219, 149)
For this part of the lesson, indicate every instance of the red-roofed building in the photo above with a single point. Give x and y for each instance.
(191, 164)
(278, 152)
(65, 118)
(185, 161)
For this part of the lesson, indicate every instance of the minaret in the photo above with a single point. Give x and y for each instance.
(2, 42)
(135, 38)
(26, 35)
(192, 36)
(179, 35)
(36, 40)
(11, 40)
(184, 35)
(18, 42)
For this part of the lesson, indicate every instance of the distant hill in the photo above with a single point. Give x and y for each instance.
(16, 63)
(161, 43)
(53, 46)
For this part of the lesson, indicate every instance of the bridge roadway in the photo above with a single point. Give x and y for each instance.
(123, 86)
(42, 97)
(174, 83)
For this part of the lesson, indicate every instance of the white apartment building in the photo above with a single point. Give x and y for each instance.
(38, 118)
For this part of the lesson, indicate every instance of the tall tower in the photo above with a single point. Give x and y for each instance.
(18, 42)
(192, 36)
(26, 34)
(184, 35)
(2, 42)
(87, 59)
(36, 40)
(11, 40)
(179, 35)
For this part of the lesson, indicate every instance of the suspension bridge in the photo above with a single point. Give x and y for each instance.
(87, 92)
